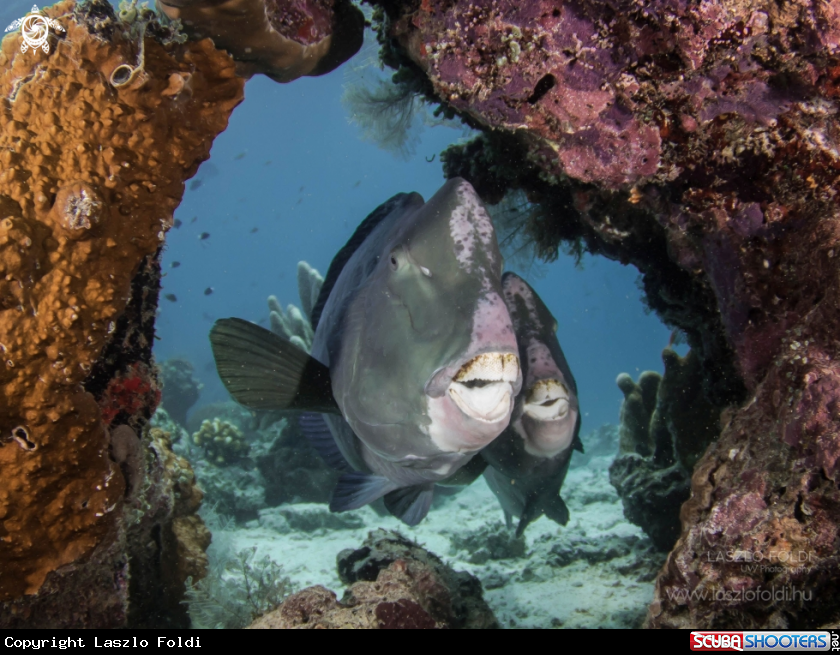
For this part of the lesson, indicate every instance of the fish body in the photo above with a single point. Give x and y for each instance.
(528, 463)
(413, 345)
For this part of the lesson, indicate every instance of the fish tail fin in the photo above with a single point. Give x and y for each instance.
(262, 370)
(410, 504)
(557, 511)
(355, 489)
(317, 432)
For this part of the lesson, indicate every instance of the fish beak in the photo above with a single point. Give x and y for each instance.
(548, 400)
(483, 387)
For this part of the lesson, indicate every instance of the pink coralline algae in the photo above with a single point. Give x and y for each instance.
(701, 143)
(600, 87)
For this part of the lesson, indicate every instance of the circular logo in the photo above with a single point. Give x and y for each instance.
(35, 29)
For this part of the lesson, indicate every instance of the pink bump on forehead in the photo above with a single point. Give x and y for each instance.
(469, 226)
(515, 286)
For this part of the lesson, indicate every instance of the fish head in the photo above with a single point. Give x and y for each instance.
(437, 366)
(547, 413)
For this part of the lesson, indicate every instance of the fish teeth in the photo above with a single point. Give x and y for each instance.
(548, 400)
(490, 367)
(489, 403)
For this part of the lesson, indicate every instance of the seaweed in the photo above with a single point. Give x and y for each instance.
(386, 114)
(238, 588)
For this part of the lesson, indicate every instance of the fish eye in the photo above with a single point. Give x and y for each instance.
(394, 263)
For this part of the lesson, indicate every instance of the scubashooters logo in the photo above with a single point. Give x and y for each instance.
(35, 28)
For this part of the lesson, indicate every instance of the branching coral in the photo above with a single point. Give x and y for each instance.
(666, 426)
(294, 323)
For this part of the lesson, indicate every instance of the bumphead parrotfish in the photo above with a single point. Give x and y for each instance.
(529, 461)
(414, 362)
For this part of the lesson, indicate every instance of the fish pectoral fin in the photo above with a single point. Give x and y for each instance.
(410, 504)
(532, 511)
(262, 370)
(317, 432)
(466, 475)
(557, 511)
(508, 519)
(355, 490)
(577, 444)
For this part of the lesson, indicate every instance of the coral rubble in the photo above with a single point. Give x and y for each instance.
(280, 38)
(93, 167)
(394, 583)
(699, 142)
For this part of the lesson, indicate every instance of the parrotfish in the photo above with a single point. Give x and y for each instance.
(414, 364)
(529, 461)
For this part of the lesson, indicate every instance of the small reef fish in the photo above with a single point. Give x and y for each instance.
(175, 264)
(254, 230)
(414, 364)
(171, 297)
(203, 236)
(529, 461)
(193, 219)
(241, 155)
(196, 184)
(208, 291)
(177, 223)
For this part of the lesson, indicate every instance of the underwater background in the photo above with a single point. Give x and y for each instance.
(289, 181)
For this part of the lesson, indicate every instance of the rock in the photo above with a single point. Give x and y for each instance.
(490, 542)
(396, 584)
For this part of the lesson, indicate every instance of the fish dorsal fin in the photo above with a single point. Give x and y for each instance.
(262, 370)
(362, 232)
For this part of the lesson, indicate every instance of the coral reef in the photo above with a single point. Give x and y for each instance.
(180, 387)
(699, 142)
(394, 584)
(280, 38)
(166, 538)
(666, 425)
(222, 442)
(87, 191)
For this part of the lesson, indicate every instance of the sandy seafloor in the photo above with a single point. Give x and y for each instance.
(596, 572)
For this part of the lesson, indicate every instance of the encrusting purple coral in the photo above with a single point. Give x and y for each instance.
(700, 142)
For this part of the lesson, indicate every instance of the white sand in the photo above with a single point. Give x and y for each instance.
(596, 572)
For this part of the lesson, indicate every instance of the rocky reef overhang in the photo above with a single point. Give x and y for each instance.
(699, 142)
